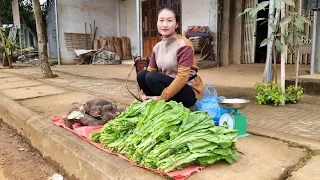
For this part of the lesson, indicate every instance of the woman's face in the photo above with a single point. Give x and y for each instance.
(167, 23)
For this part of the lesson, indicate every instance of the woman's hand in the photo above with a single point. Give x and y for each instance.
(143, 97)
(155, 98)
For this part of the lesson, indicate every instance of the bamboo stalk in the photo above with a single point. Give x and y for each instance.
(305, 56)
(275, 53)
(270, 47)
(274, 69)
(297, 68)
(246, 40)
(254, 40)
(283, 54)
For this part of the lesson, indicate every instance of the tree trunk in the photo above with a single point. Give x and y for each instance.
(274, 69)
(270, 48)
(283, 54)
(5, 60)
(9, 61)
(42, 40)
(2, 57)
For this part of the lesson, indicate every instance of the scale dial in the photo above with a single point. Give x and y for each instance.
(226, 121)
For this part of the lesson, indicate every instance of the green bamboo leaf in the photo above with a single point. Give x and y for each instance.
(273, 26)
(277, 4)
(279, 46)
(241, 14)
(265, 42)
(244, 12)
(296, 38)
(284, 21)
(253, 13)
(279, 34)
(304, 19)
(301, 34)
(290, 2)
(299, 23)
(262, 5)
(289, 38)
(292, 13)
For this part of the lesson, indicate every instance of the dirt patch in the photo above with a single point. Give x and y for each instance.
(18, 160)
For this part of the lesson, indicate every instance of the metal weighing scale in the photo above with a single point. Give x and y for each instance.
(234, 119)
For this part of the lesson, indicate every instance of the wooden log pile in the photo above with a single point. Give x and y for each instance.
(119, 45)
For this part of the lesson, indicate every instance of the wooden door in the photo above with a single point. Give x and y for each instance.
(250, 27)
(150, 10)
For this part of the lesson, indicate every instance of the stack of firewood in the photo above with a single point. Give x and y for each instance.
(119, 45)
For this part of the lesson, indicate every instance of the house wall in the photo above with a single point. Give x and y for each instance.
(123, 18)
(201, 12)
(213, 22)
(194, 13)
(51, 32)
(74, 14)
(131, 25)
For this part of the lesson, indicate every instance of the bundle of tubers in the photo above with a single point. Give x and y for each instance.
(93, 113)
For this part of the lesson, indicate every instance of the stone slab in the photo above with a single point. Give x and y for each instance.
(4, 75)
(309, 172)
(285, 137)
(2, 174)
(32, 92)
(19, 84)
(263, 159)
(57, 104)
(12, 79)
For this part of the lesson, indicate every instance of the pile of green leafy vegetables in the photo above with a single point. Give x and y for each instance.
(167, 136)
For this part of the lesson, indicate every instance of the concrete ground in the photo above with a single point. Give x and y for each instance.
(307, 172)
(261, 157)
(235, 81)
(2, 175)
